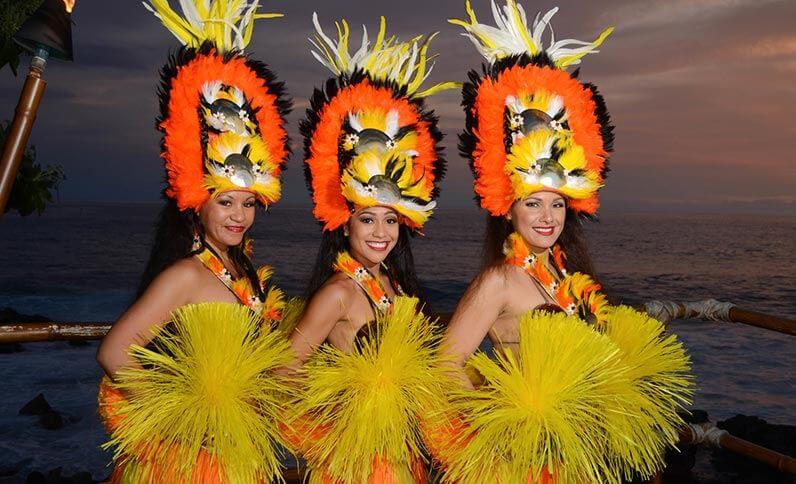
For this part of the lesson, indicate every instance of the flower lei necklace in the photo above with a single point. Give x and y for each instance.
(270, 309)
(575, 293)
(373, 288)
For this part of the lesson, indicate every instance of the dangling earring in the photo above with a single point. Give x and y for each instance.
(345, 231)
(197, 242)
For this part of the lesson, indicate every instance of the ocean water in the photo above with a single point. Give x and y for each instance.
(82, 263)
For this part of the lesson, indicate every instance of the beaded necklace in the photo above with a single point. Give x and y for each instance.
(373, 288)
(270, 309)
(575, 293)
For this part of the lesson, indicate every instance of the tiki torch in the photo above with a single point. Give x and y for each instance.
(47, 33)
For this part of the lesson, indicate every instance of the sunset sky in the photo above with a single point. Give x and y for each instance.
(702, 93)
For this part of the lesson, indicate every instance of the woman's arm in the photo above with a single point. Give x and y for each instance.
(169, 290)
(477, 311)
(324, 310)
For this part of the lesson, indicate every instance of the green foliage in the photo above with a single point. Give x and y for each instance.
(34, 184)
(13, 14)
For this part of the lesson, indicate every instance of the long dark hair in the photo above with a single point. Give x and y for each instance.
(174, 237)
(572, 240)
(400, 262)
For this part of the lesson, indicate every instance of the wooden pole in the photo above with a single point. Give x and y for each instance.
(50, 331)
(679, 310)
(20, 129)
(787, 326)
(55, 331)
(725, 440)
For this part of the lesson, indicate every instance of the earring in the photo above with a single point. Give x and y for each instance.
(197, 242)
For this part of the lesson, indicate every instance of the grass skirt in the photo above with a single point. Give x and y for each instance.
(358, 418)
(572, 405)
(203, 404)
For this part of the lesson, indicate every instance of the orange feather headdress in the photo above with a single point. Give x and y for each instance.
(368, 139)
(531, 125)
(222, 113)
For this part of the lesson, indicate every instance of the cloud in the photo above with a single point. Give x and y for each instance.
(678, 13)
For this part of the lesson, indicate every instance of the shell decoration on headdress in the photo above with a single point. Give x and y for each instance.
(531, 125)
(222, 113)
(368, 139)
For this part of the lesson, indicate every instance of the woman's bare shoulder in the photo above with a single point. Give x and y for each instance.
(494, 277)
(183, 274)
(339, 287)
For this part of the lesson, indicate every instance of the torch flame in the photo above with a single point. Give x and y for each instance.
(69, 4)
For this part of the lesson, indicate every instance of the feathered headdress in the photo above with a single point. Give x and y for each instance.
(368, 139)
(531, 125)
(222, 113)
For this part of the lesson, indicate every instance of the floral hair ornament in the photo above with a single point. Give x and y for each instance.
(368, 139)
(222, 114)
(531, 125)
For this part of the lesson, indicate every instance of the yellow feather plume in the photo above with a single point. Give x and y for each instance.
(407, 64)
(511, 35)
(659, 372)
(368, 403)
(540, 410)
(291, 313)
(228, 24)
(206, 390)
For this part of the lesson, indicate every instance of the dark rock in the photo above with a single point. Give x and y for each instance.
(36, 477)
(37, 406)
(680, 461)
(8, 315)
(780, 438)
(8, 470)
(6, 348)
(82, 478)
(695, 416)
(54, 477)
(51, 420)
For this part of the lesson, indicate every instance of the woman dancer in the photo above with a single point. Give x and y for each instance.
(372, 162)
(538, 141)
(224, 144)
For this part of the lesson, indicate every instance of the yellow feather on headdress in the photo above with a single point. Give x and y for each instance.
(227, 24)
(407, 63)
(512, 36)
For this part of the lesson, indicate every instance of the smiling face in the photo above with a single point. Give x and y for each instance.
(372, 234)
(227, 217)
(539, 219)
